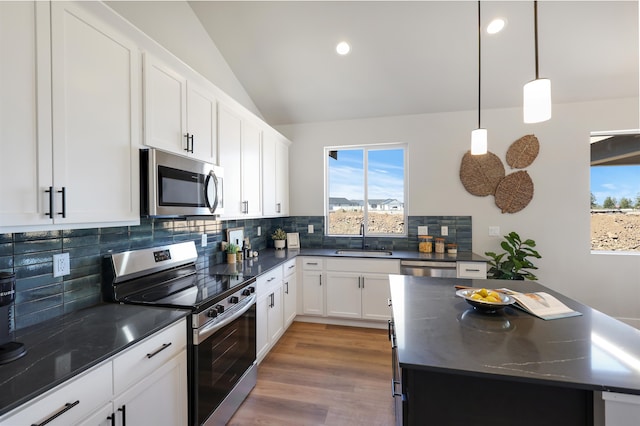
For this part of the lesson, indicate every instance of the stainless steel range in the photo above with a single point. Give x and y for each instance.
(222, 330)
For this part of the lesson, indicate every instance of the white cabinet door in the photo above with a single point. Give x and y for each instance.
(375, 297)
(312, 293)
(165, 92)
(229, 137)
(276, 318)
(282, 178)
(344, 294)
(102, 417)
(25, 113)
(96, 105)
(251, 169)
(262, 326)
(201, 123)
(269, 175)
(160, 399)
(289, 291)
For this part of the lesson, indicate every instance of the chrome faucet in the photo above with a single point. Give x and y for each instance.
(362, 233)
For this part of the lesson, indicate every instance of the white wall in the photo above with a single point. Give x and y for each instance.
(174, 25)
(557, 218)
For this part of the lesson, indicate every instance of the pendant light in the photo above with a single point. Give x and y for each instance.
(479, 135)
(537, 93)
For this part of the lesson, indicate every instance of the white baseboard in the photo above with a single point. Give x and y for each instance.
(342, 321)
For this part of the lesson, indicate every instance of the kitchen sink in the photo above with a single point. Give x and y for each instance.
(365, 252)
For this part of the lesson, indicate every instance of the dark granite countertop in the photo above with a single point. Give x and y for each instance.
(438, 331)
(63, 347)
(465, 256)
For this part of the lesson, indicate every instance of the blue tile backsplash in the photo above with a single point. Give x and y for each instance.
(40, 296)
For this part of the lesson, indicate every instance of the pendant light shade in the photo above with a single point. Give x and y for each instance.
(537, 93)
(479, 142)
(479, 135)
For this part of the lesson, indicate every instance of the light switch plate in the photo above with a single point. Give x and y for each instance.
(423, 230)
(61, 265)
(494, 231)
(204, 240)
(259, 230)
(444, 231)
(310, 229)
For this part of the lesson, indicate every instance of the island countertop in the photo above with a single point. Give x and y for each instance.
(438, 331)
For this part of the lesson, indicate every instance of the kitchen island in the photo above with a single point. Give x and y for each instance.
(455, 365)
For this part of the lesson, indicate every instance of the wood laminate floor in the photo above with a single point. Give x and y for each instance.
(320, 374)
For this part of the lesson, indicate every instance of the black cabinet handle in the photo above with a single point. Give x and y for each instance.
(320, 279)
(124, 415)
(50, 192)
(189, 139)
(64, 201)
(287, 288)
(112, 417)
(68, 406)
(165, 346)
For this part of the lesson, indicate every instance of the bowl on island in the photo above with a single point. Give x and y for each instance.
(482, 304)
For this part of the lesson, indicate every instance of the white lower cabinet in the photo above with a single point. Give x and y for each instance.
(152, 390)
(312, 298)
(353, 293)
(473, 270)
(269, 311)
(289, 292)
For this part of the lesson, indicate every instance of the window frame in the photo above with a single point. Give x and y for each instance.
(366, 148)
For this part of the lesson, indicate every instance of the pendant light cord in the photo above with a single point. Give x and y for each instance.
(535, 32)
(479, 63)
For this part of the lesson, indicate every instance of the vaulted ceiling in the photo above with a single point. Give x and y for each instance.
(419, 56)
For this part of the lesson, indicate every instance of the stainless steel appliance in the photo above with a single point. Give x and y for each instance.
(222, 329)
(173, 186)
(9, 350)
(428, 268)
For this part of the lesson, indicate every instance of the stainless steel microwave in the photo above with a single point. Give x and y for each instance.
(175, 186)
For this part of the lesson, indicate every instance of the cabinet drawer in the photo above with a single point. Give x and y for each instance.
(266, 282)
(375, 266)
(472, 269)
(145, 357)
(71, 401)
(312, 263)
(289, 267)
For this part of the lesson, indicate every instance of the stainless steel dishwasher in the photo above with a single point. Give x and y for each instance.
(428, 268)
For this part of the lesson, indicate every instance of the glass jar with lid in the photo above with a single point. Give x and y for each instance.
(452, 248)
(425, 243)
(439, 245)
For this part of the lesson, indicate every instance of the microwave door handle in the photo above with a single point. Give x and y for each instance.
(207, 182)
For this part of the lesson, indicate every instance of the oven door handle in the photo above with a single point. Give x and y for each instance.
(205, 332)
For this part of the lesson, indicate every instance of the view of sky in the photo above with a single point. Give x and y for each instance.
(615, 181)
(385, 174)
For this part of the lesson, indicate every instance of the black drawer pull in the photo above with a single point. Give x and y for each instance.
(165, 346)
(312, 263)
(68, 406)
(472, 270)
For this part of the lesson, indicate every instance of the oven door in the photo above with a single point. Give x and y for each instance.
(224, 355)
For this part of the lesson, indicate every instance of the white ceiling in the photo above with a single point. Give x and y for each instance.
(419, 56)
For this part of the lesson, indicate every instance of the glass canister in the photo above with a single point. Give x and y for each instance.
(439, 245)
(425, 243)
(452, 248)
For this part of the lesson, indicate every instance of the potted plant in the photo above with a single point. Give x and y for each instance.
(516, 262)
(232, 251)
(279, 238)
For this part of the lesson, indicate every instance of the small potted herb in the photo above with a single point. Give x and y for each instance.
(232, 251)
(279, 238)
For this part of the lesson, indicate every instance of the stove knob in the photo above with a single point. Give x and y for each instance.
(252, 289)
(246, 292)
(212, 313)
(219, 308)
(233, 299)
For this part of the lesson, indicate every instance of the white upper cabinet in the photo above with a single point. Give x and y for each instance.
(275, 174)
(240, 156)
(180, 115)
(69, 118)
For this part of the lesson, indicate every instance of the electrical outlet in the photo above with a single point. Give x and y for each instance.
(444, 231)
(423, 230)
(204, 240)
(310, 229)
(259, 230)
(494, 231)
(61, 264)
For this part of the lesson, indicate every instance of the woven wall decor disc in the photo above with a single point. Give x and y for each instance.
(514, 192)
(480, 174)
(522, 152)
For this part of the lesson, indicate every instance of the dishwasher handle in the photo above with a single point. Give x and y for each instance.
(427, 264)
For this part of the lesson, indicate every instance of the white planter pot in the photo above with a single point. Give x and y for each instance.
(279, 244)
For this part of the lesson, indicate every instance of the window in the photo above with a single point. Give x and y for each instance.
(615, 191)
(366, 185)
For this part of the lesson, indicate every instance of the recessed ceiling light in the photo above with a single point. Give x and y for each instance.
(496, 26)
(343, 48)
